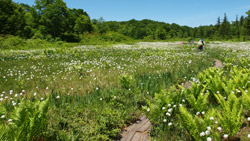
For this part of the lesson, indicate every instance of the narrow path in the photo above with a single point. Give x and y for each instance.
(140, 130)
(218, 64)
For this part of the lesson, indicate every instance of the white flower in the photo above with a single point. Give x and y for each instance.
(16, 95)
(170, 110)
(96, 88)
(1, 99)
(42, 98)
(225, 98)
(14, 104)
(114, 97)
(248, 136)
(211, 118)
(72, 89)
(47, 88)
(225, 136)
(180, 105)
(10, 120)
(164, 120)
(58, 97)
(148, 109)
(209, 139)
(219, 128)
(23, 91)
(248, 119)
(203, 112)
(170, 123)
(174, 106)
(216, 122)
(208, 128)
(207, 132)
(168, 114)
(198, 113)
(218, 92)
(163, 108)
(202, 134)
(35, 94)
(3, 116)
(202, 94)
(169, 105)
(183, 100)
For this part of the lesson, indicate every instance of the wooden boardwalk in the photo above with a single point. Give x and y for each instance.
(138, 131)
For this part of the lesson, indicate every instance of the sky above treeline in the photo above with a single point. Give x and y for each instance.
(192, 13)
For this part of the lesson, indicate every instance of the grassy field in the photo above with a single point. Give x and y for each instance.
(93, 92)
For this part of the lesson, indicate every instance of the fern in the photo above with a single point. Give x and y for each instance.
(199, 104)
(193, 125)
(29, 121)
(246, 100)
(231, 118)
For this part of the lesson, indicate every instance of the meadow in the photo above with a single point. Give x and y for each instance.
(93, 92)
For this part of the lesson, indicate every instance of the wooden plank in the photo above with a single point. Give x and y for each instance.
(137, 131)
(145, 127)
(137, 137)
(129, 136)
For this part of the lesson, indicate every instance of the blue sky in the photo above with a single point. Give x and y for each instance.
(183, 12)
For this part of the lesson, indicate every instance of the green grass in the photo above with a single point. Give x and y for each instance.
(93, 91)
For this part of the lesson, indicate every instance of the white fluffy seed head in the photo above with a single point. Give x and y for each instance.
(208, 128)
(219, 128)
(225, 136)
(202, 134)
(207, 132)
(170, 123)
(209, 139)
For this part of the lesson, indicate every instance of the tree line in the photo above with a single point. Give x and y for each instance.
(52, 19)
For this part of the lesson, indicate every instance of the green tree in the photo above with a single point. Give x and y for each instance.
(161, 33)
(82, 24)
(54, 18)
(225, 28)
(11, 17)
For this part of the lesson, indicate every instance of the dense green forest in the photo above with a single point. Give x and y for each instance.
(54, 21)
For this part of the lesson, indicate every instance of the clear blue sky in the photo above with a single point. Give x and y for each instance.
(183, 12)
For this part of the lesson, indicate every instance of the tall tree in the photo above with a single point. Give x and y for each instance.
(11, 17)
(54, 18)
(225, 28)
(83, 24)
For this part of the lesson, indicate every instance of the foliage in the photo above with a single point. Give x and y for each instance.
(27, 121)
(231, 118)
(53, 19)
